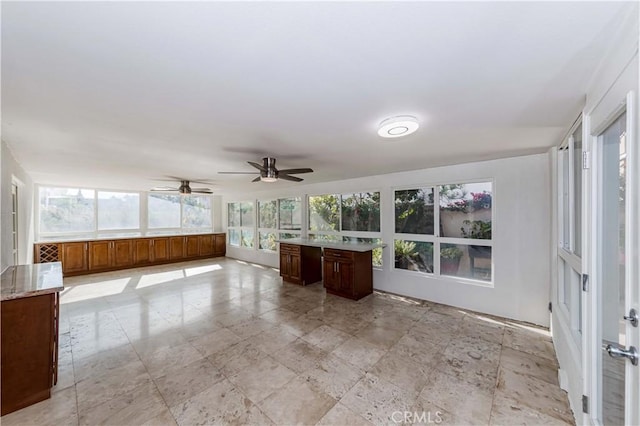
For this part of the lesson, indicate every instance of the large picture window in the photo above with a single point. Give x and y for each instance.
(454, 242)
(290, 213)
(118, 210)
(89, 213)
(67, 211)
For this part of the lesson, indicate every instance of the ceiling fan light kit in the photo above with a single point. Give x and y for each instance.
(269, 172)
(396, 127)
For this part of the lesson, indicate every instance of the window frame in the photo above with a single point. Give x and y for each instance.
(438, 240)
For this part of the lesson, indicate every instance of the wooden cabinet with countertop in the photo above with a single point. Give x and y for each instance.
(29, 330)
(348, 273)
(300, 264)
(82, 257)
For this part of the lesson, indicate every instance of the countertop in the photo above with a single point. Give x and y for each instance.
(82, 239)
(350, 246)
(31, 280)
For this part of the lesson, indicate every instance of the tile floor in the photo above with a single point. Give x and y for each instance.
(226, 342)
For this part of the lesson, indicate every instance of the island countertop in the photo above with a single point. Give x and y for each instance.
(350, 246)
(31, 280)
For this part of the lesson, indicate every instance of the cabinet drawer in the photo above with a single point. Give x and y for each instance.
(289, 248)
(340, 254)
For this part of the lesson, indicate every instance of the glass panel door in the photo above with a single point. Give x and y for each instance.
(612, 260)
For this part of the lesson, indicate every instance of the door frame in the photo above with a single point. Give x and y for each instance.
(591, 224)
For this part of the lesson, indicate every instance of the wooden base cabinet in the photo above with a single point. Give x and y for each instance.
(83, 257)
(300, 264)
(348, 273)
(29, 350)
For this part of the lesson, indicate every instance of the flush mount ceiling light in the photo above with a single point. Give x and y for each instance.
(399, 126)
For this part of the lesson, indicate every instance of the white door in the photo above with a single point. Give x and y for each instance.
(616, 283)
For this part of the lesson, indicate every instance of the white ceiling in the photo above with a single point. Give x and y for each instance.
(115, 95)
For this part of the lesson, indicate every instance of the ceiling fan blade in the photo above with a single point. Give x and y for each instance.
(163, 188)
(291, 178)
(201, 191)
(257, 166)
(296, 171)
(257, 179)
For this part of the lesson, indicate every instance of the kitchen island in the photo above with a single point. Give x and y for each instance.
(345, 268)
(29, 311)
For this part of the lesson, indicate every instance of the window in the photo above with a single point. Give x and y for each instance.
(240, 224)
(570, 230)
(348, 217)
(361, 212)
(118, 210)
(432, 243)
(290, 213)
(196, 212)
(324, 213)
(267, 220)
(67, 211)
(164, 211)
(414, 211)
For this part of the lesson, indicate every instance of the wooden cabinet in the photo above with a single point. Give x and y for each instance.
(160, 249)
(142, 251)
(99, 255)
(176, 248)
(219, 244)
(110, 254)
(300, 264)
(74, 257)
(192, 245)
(348, 273)
(82, 257)
(29, 350)
(122, 253)
(206, 243)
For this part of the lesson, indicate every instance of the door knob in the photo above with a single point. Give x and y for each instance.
(632, 317)
(618, 352)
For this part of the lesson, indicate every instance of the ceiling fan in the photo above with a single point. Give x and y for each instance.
(184, 188)
(269, 173)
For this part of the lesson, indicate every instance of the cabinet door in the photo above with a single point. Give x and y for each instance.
(284, 265)
(345, 274)
(122, 253)
(192, 246)
(330, 275)
(206, 245)
(220, 244)
(142, 251)
(160, 249)
(99, 255)
(294, 267)
(74, 257)
(176, 247)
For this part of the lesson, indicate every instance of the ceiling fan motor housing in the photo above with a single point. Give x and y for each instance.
(269, 165)
(184, 187)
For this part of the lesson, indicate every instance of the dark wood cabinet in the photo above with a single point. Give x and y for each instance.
(192, 245)
(300, 264)
(176, 247)
(74, 257)
(82, 257)
(348, 273)
(29, 350)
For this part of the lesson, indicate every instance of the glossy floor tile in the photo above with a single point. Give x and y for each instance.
(221, 341)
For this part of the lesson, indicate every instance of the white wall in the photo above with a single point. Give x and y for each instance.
(520, 235)
(12, 171)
